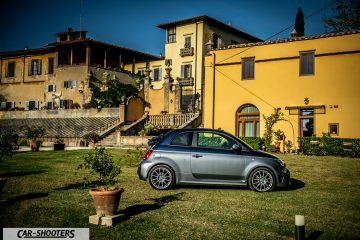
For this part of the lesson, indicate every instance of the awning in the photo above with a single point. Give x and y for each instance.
(295, 110)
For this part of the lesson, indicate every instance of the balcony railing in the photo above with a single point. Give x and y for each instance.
(187, 51)
(170, 120)
(186, 81)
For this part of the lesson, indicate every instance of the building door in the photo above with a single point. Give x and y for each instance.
(187, 99)
(248, 121)
(306, 122)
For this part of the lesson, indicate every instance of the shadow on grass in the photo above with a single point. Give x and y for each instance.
(314, 235)
(80, 185)
(158, 203)
(20, 174)
(21, 198)
(293, 185)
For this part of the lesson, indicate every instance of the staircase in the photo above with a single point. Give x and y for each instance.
(109, 140)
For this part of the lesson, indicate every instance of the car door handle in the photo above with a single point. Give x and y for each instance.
(197, 156)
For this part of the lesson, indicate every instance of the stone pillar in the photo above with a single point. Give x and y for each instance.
(122, 112)
(71, 55)
(147, 88)
(88, 55)
(105, 58)
(177, 108)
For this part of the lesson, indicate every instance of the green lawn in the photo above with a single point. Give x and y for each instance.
(43, 191)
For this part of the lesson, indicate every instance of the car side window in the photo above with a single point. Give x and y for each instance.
(183, 139)
(214, 140)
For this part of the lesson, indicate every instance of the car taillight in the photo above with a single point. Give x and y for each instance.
(147, 154)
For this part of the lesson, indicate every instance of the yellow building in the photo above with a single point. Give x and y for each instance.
(314, 81)
(176, 82)
(59, 75)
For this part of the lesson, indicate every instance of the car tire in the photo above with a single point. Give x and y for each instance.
(161, 177)
(262, 180)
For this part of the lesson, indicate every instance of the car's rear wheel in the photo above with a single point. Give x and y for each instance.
(161, 177)
(262, 180)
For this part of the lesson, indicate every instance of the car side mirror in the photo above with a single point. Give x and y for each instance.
(236, 148)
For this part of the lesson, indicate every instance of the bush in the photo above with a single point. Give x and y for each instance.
(256, 143)
(92, 137)
(328, 146)
(34, 133)
(8, 143)
(101, 164)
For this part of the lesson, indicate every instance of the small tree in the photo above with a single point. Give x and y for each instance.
(34, 135)
(92, 138)
(269, 126)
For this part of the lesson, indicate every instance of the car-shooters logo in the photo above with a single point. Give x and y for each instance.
(46, 233)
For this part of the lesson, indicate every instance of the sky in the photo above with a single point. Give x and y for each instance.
(132, 24)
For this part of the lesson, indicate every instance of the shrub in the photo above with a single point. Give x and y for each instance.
(34, 133)
(8, 143)
(328, 146)
(256, 143)
(92, 137)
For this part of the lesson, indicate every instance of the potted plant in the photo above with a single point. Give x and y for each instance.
(107, 197)
(59, 143)
(92, 138)
(34, 135)
(279, 136)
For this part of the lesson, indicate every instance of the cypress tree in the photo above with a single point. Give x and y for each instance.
(299, 23)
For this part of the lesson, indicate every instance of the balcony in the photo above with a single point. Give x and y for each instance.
(186, 51)
(189, 81)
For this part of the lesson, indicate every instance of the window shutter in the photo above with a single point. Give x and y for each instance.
(7, 70)
(65, 84)
(29, 68)
(27, 103)
(37, 104)
(12, 105)
(54, 88)
(182, 71)
(73, 83)
(190, 70)
(3, 104)
(39, 67)
(160, 76)
(61, 103)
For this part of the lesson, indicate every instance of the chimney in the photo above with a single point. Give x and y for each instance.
(293, 33)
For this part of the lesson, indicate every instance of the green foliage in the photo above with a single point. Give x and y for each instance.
(114, 95)
(92, 137)
(328, 146)
(8, 143)
(133, 156)
(279, 135)
(148, 128)
(346, 16)
(101, 164)
(59, 139)
(256, 143)
(34, 133)
(269, 125)
(299, 23)
(213, 141)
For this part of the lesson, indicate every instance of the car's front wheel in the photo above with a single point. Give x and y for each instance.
(262, 180)
(161, 177)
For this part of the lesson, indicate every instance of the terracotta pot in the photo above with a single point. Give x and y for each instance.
(106, 202)
(34, 145)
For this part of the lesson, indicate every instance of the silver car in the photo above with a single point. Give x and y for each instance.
(209, 157)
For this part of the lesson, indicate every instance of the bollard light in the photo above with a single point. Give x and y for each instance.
(299, 227)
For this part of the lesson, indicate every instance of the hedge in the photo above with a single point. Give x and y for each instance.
(328, 146)
(256, 143)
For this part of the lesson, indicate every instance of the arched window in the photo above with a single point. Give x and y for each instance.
(248, 121)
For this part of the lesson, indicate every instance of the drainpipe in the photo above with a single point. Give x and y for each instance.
(213, 107)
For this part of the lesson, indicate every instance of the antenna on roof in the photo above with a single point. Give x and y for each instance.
(81, 9)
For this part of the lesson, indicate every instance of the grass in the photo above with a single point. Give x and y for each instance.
(43, 191)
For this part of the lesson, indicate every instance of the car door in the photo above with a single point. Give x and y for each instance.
(213, 158)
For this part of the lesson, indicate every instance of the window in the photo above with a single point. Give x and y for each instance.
(156, 74)
(214, 140)
(334, 129)
(66, 104)
(31, 105)
(307, 63)
(50, 65)
(7, 105)
(183, 139)
(248, 68)
(306, 122)
(49, 105)
(50, 88)
(141, 72)
(186, 71)
(34, 67)
(10, 69)
(248, 121)
(171, 35)
(187, 42)
(70, 84)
